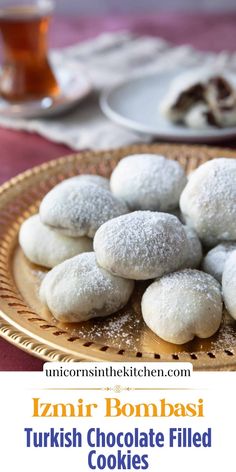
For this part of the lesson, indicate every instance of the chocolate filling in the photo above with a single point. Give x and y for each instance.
(193, 95)
(211, 119)
(226, 107)
(222, 87)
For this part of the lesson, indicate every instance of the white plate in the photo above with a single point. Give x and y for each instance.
(74, 85)
(135, 105)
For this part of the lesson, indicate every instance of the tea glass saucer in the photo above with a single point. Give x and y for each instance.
(74, 85)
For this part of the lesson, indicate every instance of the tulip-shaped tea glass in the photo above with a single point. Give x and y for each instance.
(26, 72)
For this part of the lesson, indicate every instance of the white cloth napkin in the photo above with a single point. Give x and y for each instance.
(109, 59)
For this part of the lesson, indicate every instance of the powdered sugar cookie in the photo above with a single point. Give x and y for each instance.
(182, 305)
(46, 247)
(77, 208)
(141, 245)
(148, 182)
(214, 261)
(78, 290)
(208, 201)
(185, 91)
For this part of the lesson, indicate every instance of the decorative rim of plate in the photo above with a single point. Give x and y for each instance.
(47, 341)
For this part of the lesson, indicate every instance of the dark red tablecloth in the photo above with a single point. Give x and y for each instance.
(19, 151)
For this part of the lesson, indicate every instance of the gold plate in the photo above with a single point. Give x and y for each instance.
(121, 337)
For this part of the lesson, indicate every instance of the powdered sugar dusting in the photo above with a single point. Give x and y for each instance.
(148, 182)
(79, 208)
(121, 330)
(208, 201)
(46, 247)
(141, 245)
(182, 305)
(196, 280)
(78, 290)
(215, 259)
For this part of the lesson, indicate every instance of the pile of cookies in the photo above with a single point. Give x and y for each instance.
(148, 222)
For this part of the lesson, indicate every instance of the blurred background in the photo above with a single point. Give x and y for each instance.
(126, 6)
(204, 24)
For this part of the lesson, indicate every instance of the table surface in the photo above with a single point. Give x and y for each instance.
(20, 150)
